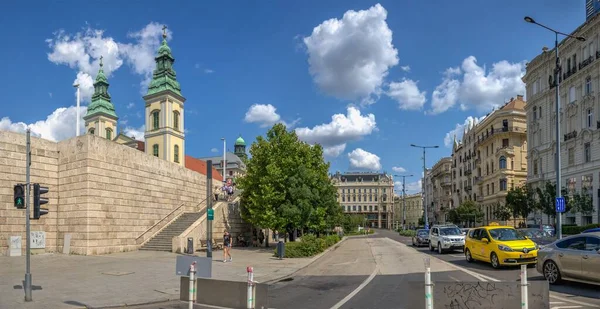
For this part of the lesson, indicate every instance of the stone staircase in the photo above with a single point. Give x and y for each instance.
(163, 240)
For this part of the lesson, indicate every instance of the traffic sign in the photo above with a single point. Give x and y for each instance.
(560, 204)
(426, 226)
(211, 214)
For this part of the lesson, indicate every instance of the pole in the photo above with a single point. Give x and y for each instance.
(224, 160)
(424, 187)
(78, 103)
(250, 290)
(524, 284)
(208, 207)
(558, 165)
(428, 285)
(403, 203)
(27, 223)
(192, 289)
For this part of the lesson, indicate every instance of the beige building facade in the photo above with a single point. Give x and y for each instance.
(441, 190)
(579, 120)
(369, 194)
(413, 209)
(464, 159)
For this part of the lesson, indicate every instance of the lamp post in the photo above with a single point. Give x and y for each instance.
(557, 71)
(224, 160)
(424, 177)
(404, 199)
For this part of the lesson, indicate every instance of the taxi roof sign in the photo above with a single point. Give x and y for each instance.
(494, 224)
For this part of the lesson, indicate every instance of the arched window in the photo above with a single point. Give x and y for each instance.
(155, 120)
(502, 162)
(176, 120)
(176, 155)
(155, 150)
(91, 131)
(108, 134)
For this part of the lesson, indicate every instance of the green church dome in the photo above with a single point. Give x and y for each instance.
(240, 142)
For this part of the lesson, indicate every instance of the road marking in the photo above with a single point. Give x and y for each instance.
(574, 301)
(456, 256)
(565, 307)
(360, 287)
(477, 275)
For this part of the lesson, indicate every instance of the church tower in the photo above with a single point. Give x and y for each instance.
(239, 149)
(164, 110)
(101, 118)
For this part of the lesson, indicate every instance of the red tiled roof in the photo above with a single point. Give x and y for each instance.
(199, 166)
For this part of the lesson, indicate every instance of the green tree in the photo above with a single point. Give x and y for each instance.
(468, 212)
(503, 212)
(582, 203)
(286, 185)
(521, 202)
(547, 199)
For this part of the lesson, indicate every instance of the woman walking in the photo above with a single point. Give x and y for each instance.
(226, 247)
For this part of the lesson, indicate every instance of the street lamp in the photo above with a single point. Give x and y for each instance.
(424, 176)
(557, 71)
(224, 160)
(404, 199)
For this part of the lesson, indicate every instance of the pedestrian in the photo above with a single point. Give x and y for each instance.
(226, 247)
(276, 236)
(216, 192)
(261, 237)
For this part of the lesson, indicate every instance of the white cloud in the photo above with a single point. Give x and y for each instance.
(136, 133)
(407, 94)
(50, 94)
(208, 71)
(398, 169)
(57, 126)
(405, 68)
(410, 187)
(214, 150)
(479, 88)
(81, 51)
(334, 136)
(459, 130)
(130, 105)
(364, 160)
(350, 57)
(266, 115)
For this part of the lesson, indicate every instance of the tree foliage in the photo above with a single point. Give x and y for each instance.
(503, 212)
(521, 201)
(468, 212)
(287, 184)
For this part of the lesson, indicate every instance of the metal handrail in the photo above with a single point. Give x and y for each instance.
(170, 213)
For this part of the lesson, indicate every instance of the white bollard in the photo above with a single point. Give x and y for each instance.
(250, 293)
(192, 288)
(524, 284)
(428, 285)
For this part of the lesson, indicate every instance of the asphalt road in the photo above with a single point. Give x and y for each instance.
(570, 294)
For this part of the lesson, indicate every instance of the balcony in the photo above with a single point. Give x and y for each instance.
(445, 183)
(468, 188)
(490, 133)
(468, 172)
(507, 149)
(570, 135)
(569, 73)
(479, 199)
(478, 160)
(477, 179)
(587, 61)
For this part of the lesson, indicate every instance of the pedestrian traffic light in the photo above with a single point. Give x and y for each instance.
(38, 200)
(19, 196)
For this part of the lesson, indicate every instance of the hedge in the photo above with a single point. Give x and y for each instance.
(574, 229)
(309, 245)
(408, 233)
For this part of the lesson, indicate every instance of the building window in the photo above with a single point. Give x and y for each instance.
(572, 94)
(535, 166)
(91, 131)
(502, 163)
(502, 184)
(108, 134)
(590, 117)
(359, 208)
(587, 153)
(155, 150)
(353, 207)
(534, 112)
(176, 154)
(176, 120)
(588, 85)
(571, 156)
(155, 120)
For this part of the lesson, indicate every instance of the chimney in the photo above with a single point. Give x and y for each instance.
(520, 97)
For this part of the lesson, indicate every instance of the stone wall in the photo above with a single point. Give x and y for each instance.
(104, 194)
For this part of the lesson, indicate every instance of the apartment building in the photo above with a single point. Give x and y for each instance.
(369, 194)
(441, 190)
(501, 152)
(464, 158)
(578, 117)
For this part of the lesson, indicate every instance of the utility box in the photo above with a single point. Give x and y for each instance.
(280, 249)
(190, 245)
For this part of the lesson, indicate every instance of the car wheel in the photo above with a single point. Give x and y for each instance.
(494, 260)
(468, 256)
(440, 250)
(552, 273)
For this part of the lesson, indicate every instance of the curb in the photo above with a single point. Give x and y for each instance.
(313, 259)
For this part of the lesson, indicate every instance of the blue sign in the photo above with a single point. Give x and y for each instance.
(560, 204)
(591, 8)
(426, 226)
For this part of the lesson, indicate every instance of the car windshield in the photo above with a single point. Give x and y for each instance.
(534, 233)
(506, 234)
(450, 231)
(422, 232)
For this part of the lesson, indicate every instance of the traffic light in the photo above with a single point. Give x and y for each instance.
(38, 200)
(19, 196)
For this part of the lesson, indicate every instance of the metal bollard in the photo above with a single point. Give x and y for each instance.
(192, 289)
(250, 293)
(428, 285)
(524, 284)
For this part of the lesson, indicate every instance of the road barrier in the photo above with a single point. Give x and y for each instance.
(480, 294)
(192, 289)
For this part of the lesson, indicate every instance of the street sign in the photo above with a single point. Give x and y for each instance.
(211, 214)
(560, 204)
(426, 226)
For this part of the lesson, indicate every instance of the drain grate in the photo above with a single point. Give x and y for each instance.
(117, 273)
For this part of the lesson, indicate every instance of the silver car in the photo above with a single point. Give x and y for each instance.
(575, 258)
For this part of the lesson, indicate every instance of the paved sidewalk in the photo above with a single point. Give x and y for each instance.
(71, 281)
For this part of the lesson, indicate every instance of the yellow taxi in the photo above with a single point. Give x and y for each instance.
(500, 246)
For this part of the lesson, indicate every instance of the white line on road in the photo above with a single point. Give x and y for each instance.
(456, 256)
(565, 307)
(360, 287)
(574, 301)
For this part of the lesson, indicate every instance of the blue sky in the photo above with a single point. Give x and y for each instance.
(392, 72)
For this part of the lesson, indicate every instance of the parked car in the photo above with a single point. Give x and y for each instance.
(465, 231)
(540, 237)
(500, 246)
(421, 238)
(574, 258)
(548, 228)
(594, 230)
(446, 237)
